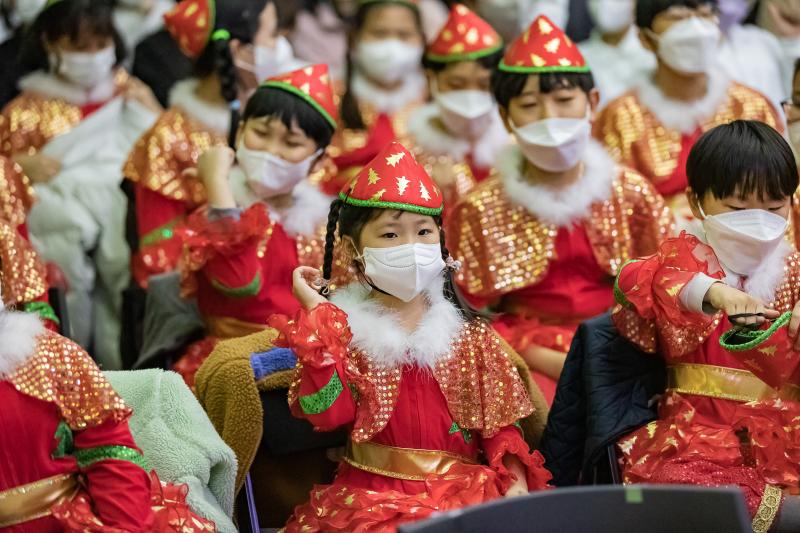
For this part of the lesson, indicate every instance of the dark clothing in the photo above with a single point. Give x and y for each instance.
(159, 63)
(10, 67)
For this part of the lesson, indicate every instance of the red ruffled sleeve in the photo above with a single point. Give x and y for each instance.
(509, 441)
(226, 250)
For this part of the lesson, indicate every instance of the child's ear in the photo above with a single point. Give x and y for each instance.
(647, 41)
(694, 203)
(323, 161)
(594, 101)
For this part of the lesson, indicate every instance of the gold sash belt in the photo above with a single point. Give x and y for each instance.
(226, 327)
(34, 500)
(401, 463)
(725, 383)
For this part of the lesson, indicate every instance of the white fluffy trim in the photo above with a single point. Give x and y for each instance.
(559, 205)
(50, 85)
(685, 117)
(18, 337)
(309, 209)
(216, 117)
(412, 90)
(438, 141)
(377, 331)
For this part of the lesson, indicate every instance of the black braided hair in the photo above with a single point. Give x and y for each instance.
(451, 291)
(229, 82)
(330, 240)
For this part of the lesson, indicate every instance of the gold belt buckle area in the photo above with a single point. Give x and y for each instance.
(401, 463)
(35, 500)
(725, 383)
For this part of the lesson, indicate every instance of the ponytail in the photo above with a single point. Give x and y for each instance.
(330, 241)
(225, 69)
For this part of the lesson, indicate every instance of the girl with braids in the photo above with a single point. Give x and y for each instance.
(69, 130)
(203, 113)
(400, 360)
(384, 83)
(264, 217)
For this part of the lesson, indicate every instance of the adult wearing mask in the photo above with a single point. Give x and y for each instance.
(459, 136)
(749, 54)
(652, 127)
(541, 239)
(614, 48)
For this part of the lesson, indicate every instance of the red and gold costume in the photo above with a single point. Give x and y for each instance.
(652, 134)
(725, 418)
(454, 161)
(16, 195)
(69, 461)
(421, 406)
(545, 258)
(240, 269)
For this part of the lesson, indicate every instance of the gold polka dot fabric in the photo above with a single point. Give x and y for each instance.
(22, 273)
(60, 372)
(16, 193)
(503, 247)
(29, 121)
(172, 145)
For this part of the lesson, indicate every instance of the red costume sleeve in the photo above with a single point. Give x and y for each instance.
(320, 338)
(116, 480)
(509, 441)
(225, 251)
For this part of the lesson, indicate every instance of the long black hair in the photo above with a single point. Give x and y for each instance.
(347, 220)
(349, 109)
(69, 19)
(235, 19)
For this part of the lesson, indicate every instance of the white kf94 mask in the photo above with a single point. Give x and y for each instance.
(403, 271)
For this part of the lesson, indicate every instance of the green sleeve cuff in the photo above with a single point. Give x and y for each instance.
(43, 309)
(161, 233)
(245, 291)
(321, 401)
(88, 456)
(619, 295)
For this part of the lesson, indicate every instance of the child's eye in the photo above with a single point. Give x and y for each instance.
(565, 99)
(389, 235)
(423, 232)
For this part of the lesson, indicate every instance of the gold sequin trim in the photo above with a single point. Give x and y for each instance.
(768, 509)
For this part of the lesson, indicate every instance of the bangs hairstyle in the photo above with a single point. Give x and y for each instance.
(348, 220)
(742, 158)
(72, 19)
(647, 10)
(277, 103)
(508, 85)
(489, 62)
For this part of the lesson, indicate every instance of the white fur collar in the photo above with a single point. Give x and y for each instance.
(412, 90)
(764, 282)
(559, 206)
(309, 207)
(438, 141)
(216, 117)
(18, 338)
(685, 117)
(52, 86)
(376, 331)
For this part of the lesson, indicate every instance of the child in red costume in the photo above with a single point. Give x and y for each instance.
(264, 217)
(69, 461)
(423, 384)
(730, 412)
(542, 238)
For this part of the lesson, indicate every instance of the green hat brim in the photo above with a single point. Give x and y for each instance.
(297, 92)
(470, 56)
(540, 70)
(741, 340)
(430, 211)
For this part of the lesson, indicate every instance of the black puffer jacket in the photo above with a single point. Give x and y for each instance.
(607, 389)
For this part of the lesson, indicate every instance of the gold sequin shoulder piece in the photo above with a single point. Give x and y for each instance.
(171, 146)
(30, 120)
(16, 193)
(62, 373)
(22, 273)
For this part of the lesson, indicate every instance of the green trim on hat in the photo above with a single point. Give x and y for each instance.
(540, 70)
(470, 56)
(619, 294)
(297, 92)
(430, 211)
(749, 339)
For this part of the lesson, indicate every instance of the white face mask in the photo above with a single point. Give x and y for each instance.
(268, 175)
(403, 271)
(270, 62)
(28, 10)
(554, 144)
(388, 60)
(611, 16)
(690, 46)
(86, 69)
(465, 113)
(742, 240)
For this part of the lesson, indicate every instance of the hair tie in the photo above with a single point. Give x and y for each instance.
(452, 264)
(322, 285)
(221, 35)
(235, 105)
